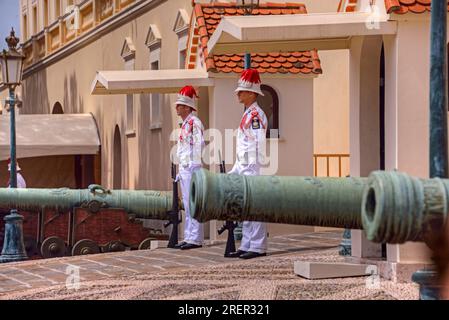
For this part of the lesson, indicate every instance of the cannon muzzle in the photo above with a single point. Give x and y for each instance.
(398, 208)
(142, 204)
(327, 202)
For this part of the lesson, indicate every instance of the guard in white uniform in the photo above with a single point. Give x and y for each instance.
(251, 139)
(21, 184)
(190, 146)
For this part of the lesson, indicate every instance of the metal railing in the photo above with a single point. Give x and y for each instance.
(328, 157)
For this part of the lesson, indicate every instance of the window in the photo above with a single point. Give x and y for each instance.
(182, 59)
(129, 56)
(130, 122)
(181, 29)
(45, 13)
(34, 20)
(130, 114)
(153, 42)
(57, 9)
(156, 118)
(25, 27)
(270, 106)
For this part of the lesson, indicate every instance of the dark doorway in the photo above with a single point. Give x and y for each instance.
(382, 124)
(117, 158)
(57, 109)
(270, 106)
(84, 171)
(382, 110)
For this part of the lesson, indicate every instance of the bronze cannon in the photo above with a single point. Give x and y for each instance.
(390, 206)
(64, 221)
(142, 204)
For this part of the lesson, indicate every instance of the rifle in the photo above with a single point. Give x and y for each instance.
(228, 225)
(173, 214)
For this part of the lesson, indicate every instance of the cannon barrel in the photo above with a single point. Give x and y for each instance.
(397, 207)
(327, 202)
(142, 204)
(392, 207)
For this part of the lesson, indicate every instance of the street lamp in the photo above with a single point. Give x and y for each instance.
(12, 63)
(248, 6)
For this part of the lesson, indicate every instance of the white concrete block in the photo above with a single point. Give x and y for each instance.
(324, 270)
(158, 244)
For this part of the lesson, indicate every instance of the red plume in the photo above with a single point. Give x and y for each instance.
(188, 91)
(251, 75)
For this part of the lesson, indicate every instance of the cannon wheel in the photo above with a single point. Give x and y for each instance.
(53, 247)
(115, 246)
(146, 244)
(85, 246)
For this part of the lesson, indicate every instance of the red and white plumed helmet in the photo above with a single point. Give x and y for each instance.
(187, 97)
(9, 165)
(250, 81)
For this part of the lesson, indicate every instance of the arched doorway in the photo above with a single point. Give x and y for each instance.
(270, 105)
(57, 109)
(117, 160)
(368, 134)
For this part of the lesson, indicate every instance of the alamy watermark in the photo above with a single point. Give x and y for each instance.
(221, 146)
(374, 16)
(373, 280)
(73, 18)
(73, 280)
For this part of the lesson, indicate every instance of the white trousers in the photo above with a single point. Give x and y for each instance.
(193, 230)
(254, 234)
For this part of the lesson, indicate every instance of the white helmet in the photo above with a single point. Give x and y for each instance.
(250, 81)
(187, 97)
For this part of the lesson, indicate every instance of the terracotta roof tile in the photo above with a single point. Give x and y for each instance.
(270, 59)
(392, 6)
(208, 16)
(294, 70)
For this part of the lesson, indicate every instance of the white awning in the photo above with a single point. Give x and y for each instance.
(148, 81)
(41, 135)
(299, 32)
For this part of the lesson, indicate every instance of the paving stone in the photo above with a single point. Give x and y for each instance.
(195, 274)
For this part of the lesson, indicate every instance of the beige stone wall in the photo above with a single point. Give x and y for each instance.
(331, 112)
(408, 104)
(295, 123)
(145, 156)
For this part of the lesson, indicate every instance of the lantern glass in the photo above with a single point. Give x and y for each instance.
(13, 70)
(11, 62)
(3, 67)
(248, 4)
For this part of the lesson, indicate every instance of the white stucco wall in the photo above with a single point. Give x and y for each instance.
(296, 129)
(295, 120)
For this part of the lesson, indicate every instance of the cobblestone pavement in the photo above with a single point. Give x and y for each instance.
(196, 274)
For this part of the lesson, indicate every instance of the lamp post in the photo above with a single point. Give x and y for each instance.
(438, 153)
(248, 6)
(12, 63)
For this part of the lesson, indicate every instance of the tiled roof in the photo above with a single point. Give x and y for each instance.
(404, 6)
(392, 6)
(347, 6)
(209, 15)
